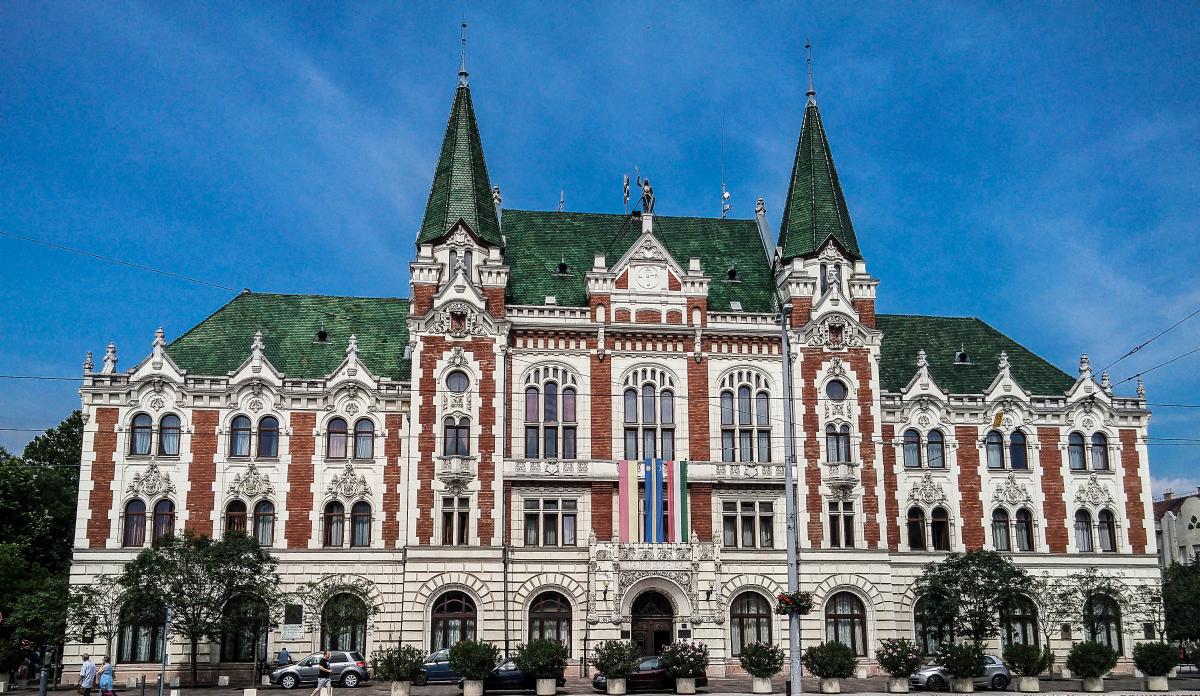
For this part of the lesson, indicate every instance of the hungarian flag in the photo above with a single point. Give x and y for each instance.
(657, 513)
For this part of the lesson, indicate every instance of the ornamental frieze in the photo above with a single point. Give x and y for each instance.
(151, 482)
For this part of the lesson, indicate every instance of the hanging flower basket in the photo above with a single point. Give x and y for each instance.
(789, 603)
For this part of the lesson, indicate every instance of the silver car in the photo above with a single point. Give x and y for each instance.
(935, 677)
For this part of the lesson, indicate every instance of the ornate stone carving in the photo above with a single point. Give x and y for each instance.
(927, 491)
(830, 253)
(110, 360)
(836, 368)
(352, 408)
(1012, 492)
(151, 482)
(252, 484)
(349, 484)
(457, 358)
(458, 320)
(157, 403)
(88, 364)
(256, 405)
(835, 332)
(649, 251)
(1094, 493)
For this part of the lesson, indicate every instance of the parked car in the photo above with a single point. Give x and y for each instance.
(348, 669)
(649, 676)
(508, 677)
(934, 677)
(437, 669)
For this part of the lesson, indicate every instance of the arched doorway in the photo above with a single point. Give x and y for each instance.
(652, 622)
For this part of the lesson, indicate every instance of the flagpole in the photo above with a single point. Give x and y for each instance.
(789, 488)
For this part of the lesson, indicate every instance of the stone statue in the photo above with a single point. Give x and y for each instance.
(647, 195)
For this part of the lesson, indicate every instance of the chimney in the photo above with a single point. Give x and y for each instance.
(1167, 495)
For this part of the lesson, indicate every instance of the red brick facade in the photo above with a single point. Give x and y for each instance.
(970, 509)
(1136, 513)
(602, 413)
(891, 509)
(865, 308)
(697, 410)
(202, 472)
(602, 509)
(1052, 487)
(104, 444)
(700, 507)
(648, 316)
(422, 298)
(860, 362)
(807, 394)
(391, 480)
(302, 445)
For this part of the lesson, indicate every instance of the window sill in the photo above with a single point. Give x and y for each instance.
(1099, 472)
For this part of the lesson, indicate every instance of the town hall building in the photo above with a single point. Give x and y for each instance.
(472, 460)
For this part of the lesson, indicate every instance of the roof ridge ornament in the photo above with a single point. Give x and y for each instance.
(88, 363)
(462, 56)
(1085, 367)
(110, 360)
(1106, 383)
(1004, 366)
(1141, 388)
(812, 91)
(158, 347)
(256, 351)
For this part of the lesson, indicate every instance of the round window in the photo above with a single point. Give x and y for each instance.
(457, 381)
(836, 390)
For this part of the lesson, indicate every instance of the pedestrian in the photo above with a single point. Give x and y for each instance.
(285, 658)
(87, 676)
(324, 672)
(106, 677)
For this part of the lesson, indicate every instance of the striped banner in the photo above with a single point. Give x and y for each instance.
(677, 500)
(628, 475)
(652, 515)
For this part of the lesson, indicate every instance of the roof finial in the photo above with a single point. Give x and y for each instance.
(812, 91)
(462, 58)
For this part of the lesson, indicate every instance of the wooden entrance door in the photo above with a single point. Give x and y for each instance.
(652, 622)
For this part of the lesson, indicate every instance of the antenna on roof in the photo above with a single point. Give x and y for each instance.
(462, 57)
(725, 204)
(812, 91)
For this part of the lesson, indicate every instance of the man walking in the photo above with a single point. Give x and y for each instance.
(285, 658)
(324, 673)
(87, 676)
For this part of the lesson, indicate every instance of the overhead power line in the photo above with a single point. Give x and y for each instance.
(1152, 339)
(1161, 364)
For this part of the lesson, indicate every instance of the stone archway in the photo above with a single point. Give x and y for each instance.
(652, 619)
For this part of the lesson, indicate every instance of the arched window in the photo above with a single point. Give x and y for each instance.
(239, 437)
(912, 449)
(456, 437)
(1102, 617)
(264, 523)
(453, 619)
(550, 617)
(139, 435)
(1024, 530)
(335, 523)
(360, 524)
(164, 519)
(1106, 531)
(1083, 532)
(746, 438)
(168, 436)
(846, 622)
(749, 621)
(940, 529)
(1019, 623)
(550, 426)
(247, 623)
(916, 529)
(335, 439)
(135, 523)
(344, 624)
(929, 636)
(935, 450)
(268, 437)
(995, 450)
(139, 635)
(364, 439)
(235, 517)
(837, 443)
(1018, 452)
(1000, 537)
(1075, 452)
(649, 434)
(1099, 452)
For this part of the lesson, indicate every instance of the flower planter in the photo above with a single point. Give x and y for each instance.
(1028, 685)
(897, 685)
(761, 685)
(1157, 683)
(831, 686)
(547, 687)
(472, 687)
(615, 686)
(685, 685)
(962, 685)
(401, 688)
(1093, 684)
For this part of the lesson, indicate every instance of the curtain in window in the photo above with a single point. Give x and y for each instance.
(168, 436)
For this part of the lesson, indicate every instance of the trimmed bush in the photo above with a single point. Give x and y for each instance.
(542, 658)
(473, 660)
(831, 660)
(1090, 659)
(1027, 660)
(616, 659)
(401, 664)
(1155, 659)
(762, 660)
(961, 660)
(899, 657)
(684, 659)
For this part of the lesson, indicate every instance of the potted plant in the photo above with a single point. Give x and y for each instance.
(900, 658)
(963, 662)
(762, 661)
(543, 659)
(400, 666)
(1091, 661)
(1027, 662)
(832, 662)
(684, 662)
(789, 603)
(1155, 660)
(616, 659)
(473, 660)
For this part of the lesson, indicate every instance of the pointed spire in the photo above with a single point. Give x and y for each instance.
(462, 57)
(812, 91)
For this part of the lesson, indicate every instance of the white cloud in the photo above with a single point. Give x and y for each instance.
(1178, 485)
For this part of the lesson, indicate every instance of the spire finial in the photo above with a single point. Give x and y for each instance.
(462, 57)
(812, 91)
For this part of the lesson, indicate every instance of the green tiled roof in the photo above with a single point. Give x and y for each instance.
(538, 241)
(815, 209)
(289, 323)
(941, 337)
(461, 188)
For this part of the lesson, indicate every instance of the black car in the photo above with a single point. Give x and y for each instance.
(348, 669)
(507, 677)
(650, 675)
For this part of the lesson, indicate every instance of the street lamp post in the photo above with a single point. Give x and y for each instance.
(789, 453)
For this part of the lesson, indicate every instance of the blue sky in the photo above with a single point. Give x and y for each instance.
(1032, 164)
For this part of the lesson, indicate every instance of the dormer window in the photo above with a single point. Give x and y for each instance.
(961, 357)
(561, 268)
(732, 275)
(321, 337)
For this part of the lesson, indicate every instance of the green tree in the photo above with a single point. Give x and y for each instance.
(1082, 585)
(1181, 601)
(196, 577)
(94, 611)
(967, 591)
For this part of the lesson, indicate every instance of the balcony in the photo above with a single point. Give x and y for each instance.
(457, 472)
(836, 474)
